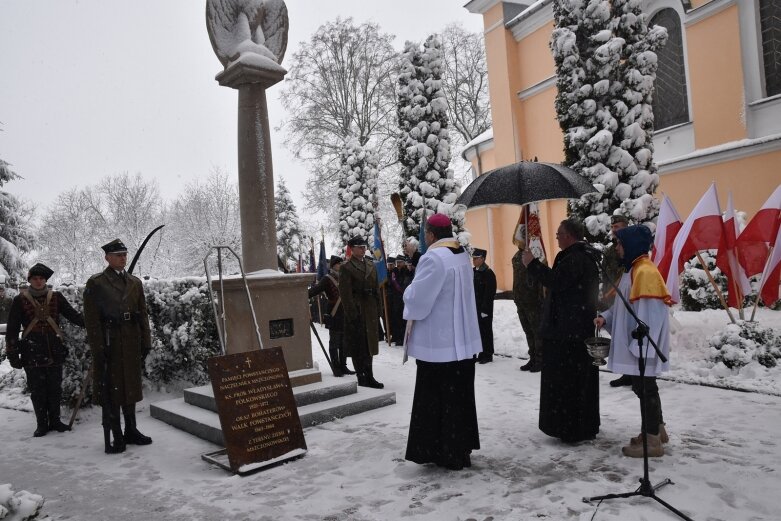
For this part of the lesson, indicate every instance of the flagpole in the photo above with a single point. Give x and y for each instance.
(716, 287)
(762, 278)
(388, 334)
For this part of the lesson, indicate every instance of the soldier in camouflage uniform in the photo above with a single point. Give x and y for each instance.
(528, 295)
(119, 338)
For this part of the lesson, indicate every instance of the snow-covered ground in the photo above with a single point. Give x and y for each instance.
(724, 454)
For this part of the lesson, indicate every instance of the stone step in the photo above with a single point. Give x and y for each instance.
(205, 424)
(203, 396)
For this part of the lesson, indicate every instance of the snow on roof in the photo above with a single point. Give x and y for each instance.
(488, 135)
(523, 15)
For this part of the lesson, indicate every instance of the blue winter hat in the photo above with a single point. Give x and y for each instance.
(636, 240)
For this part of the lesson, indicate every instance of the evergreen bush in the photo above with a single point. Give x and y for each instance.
(740, 344)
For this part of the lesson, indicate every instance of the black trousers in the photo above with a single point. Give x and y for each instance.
(653, 404)
(487, 335)
(45, 385)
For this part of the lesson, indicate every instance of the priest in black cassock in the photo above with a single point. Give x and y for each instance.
(569, 386)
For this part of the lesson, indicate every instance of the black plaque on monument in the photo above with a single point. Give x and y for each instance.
(257, 410)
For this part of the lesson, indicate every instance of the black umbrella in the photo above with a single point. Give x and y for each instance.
(523, 183)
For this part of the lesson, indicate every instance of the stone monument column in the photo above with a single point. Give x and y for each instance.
(250, 38)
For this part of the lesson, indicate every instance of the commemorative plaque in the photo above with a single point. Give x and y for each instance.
(257, 410)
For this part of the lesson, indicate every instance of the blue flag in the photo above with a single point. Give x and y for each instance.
(322, 263)
(380, 263)
(422, 236)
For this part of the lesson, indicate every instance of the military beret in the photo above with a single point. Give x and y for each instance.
(115, 246)
(40, 270)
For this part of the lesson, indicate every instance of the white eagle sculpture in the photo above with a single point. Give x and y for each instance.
(239, 27)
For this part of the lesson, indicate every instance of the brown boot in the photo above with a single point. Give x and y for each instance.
(655, 448)
(638, 440)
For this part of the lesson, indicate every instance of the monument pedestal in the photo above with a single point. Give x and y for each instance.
(282, 310)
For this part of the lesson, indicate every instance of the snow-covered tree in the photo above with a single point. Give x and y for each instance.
(339, 87)
(634, 112)
(605, 67)
(289, 237)
(16, 237)
(357, 191)
(423, 141)
(465, 83)
(206, 214)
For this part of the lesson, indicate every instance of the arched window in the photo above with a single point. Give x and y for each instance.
(671, 105)
(770, 22)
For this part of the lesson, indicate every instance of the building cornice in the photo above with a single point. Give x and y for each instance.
(721, 154)
(537, 15)
(706, 11)
(535, 89)
(480, 6)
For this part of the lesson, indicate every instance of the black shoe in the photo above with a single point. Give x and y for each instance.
(371, 382)
(485, 360)
(621, 381)
(41, 430)
(57, 425)
(346, 371)
(338, 372)
(535, 368)
(117, 447)
(527, 366)
(133, 437)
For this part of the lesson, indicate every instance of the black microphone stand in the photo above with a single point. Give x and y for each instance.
(642, 331)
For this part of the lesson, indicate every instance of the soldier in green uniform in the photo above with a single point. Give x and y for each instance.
(360, 301)
(528, 295)
(119, 338)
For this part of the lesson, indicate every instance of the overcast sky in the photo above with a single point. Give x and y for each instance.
(90, 88)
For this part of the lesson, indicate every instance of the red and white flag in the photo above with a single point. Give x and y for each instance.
(759, 234)
(701, 231)
(667, 226)
(727, 259)
(768, 285)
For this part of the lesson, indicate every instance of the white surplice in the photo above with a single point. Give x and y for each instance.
(624, 352)
(441, 301)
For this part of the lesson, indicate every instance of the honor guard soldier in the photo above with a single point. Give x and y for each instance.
(119, 338)
(36, 312)
(360, 303)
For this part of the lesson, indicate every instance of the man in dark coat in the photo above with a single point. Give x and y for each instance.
(569, 386)
(36, 310)
(528, 296)
(485, 292)
(400, 278)
(335, 317)
(119, 338)
(360, 294)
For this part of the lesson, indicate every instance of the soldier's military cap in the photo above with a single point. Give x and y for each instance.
(40, 270)
(115, 246)
(334, 260)
(479, 253)
(357, 240)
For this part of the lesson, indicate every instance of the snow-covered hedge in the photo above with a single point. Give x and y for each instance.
(740, 344)
(184, 336)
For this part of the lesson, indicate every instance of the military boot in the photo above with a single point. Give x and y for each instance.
(370, 381)
(111, 425)
(132, 435)
(54, 417)
(343, 363)
(335, 365)
(41, 417)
